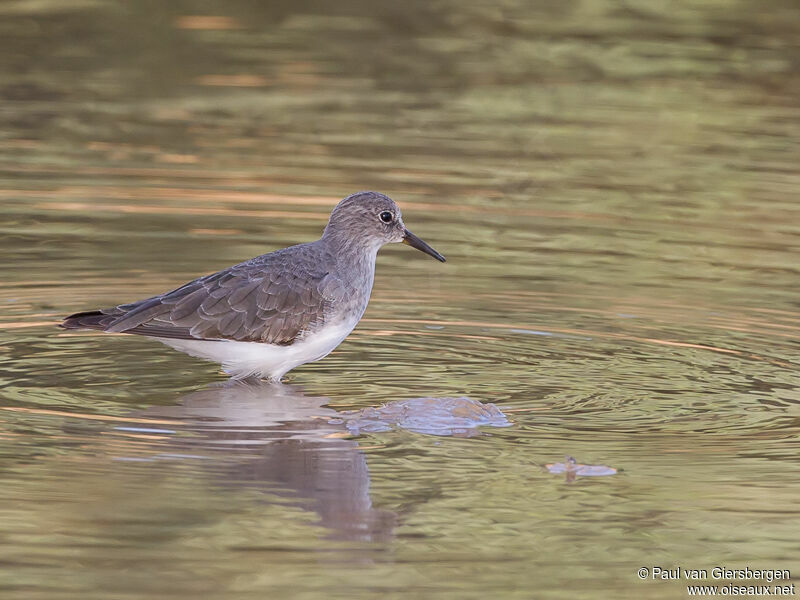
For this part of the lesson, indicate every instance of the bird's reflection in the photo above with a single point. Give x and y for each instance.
(276, 438)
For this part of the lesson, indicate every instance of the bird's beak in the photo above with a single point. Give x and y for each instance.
(413, 241)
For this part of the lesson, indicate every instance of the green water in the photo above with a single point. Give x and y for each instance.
(615, 186)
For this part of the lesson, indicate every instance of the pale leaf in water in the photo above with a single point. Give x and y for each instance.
(573, 469)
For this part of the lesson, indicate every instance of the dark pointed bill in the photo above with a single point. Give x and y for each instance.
(413, 241)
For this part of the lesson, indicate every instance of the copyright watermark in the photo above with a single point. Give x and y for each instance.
(724, 581)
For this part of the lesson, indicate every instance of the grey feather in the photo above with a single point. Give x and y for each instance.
(273, 298)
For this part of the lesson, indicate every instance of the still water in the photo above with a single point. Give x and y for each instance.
(615, 186)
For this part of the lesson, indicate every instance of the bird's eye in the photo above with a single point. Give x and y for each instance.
(386, 216)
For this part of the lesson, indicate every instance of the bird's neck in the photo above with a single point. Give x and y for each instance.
(350, 248)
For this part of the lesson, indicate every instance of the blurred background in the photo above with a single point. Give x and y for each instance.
(615, 186)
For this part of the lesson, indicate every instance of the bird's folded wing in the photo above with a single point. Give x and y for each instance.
(242, 303)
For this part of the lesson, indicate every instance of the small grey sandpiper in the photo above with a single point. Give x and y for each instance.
(272, 313)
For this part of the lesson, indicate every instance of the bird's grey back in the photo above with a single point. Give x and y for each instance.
(275, 298)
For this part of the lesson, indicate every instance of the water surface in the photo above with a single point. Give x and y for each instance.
(615, 188)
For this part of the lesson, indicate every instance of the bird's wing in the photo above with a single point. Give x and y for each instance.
(250, 302)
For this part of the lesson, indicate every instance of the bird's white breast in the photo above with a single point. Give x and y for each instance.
(268, 361)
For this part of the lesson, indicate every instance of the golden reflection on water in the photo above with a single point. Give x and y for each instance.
(207, 22)
(233, 80)
(178, 210)
(93, 417)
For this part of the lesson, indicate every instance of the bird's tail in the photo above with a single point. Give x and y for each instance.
(92, 319)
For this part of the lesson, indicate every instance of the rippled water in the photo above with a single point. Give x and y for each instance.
(615, 186)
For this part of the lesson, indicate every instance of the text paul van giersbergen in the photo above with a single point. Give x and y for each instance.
(767, 575)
